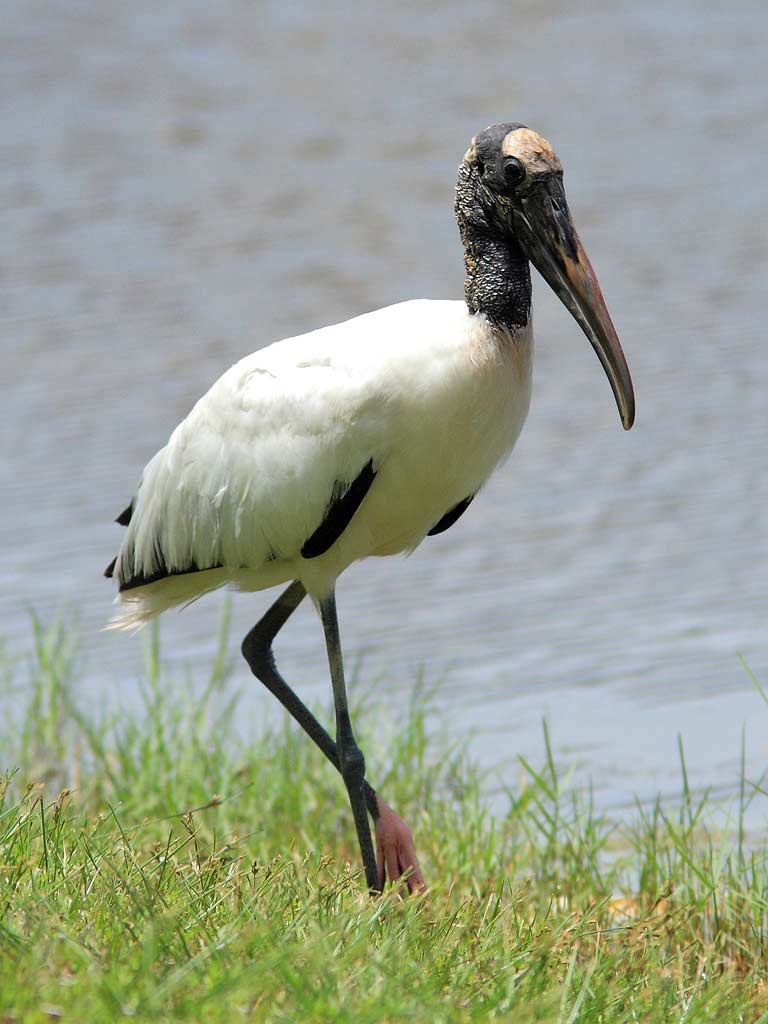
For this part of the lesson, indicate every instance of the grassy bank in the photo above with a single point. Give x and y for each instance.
(157, 866)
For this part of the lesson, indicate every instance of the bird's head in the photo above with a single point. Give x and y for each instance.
(511, 188)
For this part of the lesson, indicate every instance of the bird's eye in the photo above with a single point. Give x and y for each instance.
(514, 172)
(480, 167)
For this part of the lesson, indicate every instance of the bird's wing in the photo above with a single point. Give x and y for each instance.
(248, 476)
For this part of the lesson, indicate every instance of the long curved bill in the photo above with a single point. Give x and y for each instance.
(550, 242)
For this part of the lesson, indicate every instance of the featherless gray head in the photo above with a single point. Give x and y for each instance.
(511, 209)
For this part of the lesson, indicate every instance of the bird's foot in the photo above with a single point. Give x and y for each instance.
(395, 853)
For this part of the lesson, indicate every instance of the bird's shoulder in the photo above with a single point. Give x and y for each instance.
(396, 332)
(331, 371)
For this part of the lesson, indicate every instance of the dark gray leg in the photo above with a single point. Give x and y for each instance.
(351, 760)
(257, 651)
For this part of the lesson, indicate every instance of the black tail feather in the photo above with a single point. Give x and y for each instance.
(125, 516)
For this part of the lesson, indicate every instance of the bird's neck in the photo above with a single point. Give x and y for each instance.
(498, 281)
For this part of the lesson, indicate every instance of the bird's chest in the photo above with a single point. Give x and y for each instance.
(462, 420)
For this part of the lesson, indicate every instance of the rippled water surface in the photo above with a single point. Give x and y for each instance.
(184, 183)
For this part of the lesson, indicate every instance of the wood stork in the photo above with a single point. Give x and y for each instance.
(362, 439)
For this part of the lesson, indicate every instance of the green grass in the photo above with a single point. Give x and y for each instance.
(166, 865)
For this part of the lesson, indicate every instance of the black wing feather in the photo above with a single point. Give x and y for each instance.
(163, 574)
(125, 516)
(339, 514)
(450, 517)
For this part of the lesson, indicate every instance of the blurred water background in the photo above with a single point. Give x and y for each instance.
(186, 182)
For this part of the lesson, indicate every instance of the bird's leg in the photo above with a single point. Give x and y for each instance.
(257, 651)
(351, 760)
(394, 841)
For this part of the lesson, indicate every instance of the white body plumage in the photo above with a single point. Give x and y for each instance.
(429, 393)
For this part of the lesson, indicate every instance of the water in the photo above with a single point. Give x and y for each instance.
(183, 184)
